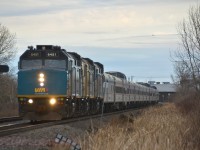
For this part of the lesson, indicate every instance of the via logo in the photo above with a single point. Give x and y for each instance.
(41, 90)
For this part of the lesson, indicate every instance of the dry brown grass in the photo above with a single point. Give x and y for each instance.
(165, 127)
(156, 128)
(189, 106)
(172, 126)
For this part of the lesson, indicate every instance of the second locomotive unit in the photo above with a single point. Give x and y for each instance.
(54, 84)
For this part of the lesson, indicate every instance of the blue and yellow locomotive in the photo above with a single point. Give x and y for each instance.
(50, 84)
(54, 84)
(42, 82)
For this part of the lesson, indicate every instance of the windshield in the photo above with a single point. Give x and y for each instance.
(48, 63)
(31, 64)
(59, 64)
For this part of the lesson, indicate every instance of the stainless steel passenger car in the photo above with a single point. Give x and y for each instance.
(120, 93)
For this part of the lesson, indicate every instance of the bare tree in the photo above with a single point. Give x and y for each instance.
(7, 43)
(188, 64)
(8, 84)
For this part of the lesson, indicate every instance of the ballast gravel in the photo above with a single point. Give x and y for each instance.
(42, 139)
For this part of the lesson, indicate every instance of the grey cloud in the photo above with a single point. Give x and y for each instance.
(18, 11)
(162, 39)
(31, 7)
(90, 32)
(132, 2)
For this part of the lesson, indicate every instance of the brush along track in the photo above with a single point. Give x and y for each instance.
(10, 119)
(4, 131)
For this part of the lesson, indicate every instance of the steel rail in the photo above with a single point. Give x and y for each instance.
(27, 127)
(10, 119)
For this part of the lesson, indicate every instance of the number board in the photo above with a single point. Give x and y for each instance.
(52, 54)
(34, 54)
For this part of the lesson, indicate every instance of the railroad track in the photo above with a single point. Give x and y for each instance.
(12, 129)
(10, 119)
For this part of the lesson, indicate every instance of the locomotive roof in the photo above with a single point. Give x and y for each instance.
(110, 78)
(76, 56)
(47, 47)
(44, 51)
(100, 65)
(89, 60)
(117, 74)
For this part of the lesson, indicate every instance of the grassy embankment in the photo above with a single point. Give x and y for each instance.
(171, 126)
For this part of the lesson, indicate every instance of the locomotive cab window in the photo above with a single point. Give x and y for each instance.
(52, 63)
(31, 64)
(39, 63)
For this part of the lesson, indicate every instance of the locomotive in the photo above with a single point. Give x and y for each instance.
(54, 84)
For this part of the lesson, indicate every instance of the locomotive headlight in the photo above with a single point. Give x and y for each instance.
(41, 75)
(30, 101)
(41, 84)
(52, 101)
(41, 79)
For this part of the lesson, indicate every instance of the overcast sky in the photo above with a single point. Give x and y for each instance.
(131, 36)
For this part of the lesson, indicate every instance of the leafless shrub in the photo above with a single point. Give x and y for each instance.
(187, 58)
(8, 84)
(7, 43)
(8, 95)
(188, 103)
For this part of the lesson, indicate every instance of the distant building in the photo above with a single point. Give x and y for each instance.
(166, 89)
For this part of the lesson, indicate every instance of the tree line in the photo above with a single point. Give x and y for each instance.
(8, 83)
(187, 58)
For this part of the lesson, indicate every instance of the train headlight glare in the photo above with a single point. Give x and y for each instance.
(30, 101)
(41, 84)
(41, 79)
(41, 75)
(52, 101)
